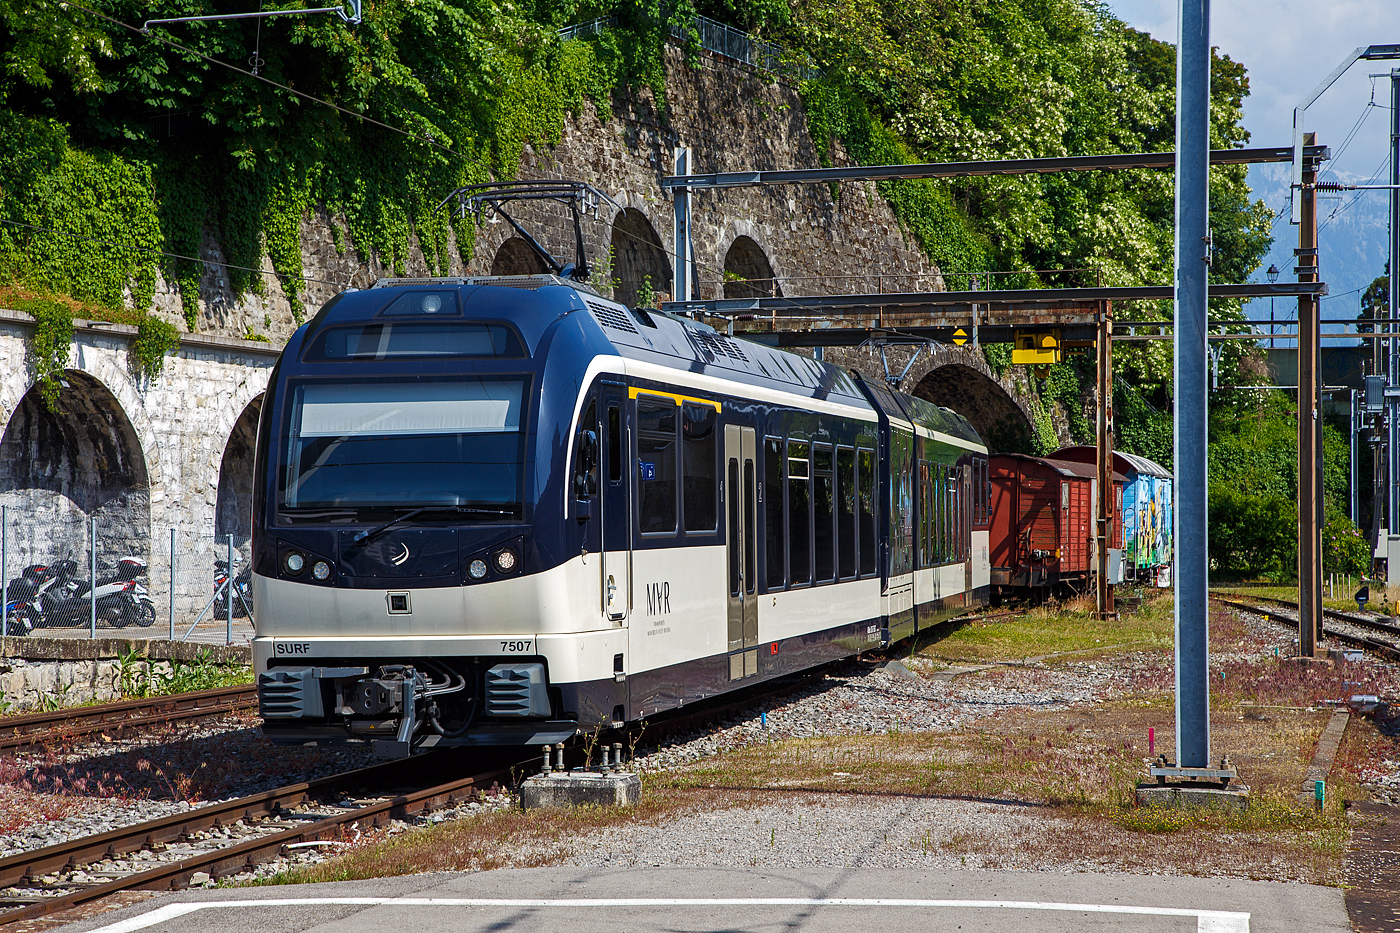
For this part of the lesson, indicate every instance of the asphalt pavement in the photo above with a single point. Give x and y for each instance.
(668, 900)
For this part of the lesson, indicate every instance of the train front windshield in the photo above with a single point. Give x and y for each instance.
(391, 444)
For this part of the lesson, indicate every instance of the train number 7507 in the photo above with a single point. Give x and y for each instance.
(514, 647)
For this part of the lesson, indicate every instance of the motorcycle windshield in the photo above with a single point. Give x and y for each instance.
(457, 442)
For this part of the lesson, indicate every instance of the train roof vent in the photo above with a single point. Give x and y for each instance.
(717, 345)
(615, 318)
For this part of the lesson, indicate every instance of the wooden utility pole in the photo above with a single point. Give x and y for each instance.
(1104, 345)
(1309, 424)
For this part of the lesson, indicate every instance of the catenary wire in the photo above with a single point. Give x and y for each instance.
(243, 71)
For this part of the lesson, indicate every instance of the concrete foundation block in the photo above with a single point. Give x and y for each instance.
(1234, 797)
(579, 788)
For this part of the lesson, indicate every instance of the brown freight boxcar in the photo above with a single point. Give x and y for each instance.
(1042, 530)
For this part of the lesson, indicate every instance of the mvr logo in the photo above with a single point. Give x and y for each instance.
(658, 598)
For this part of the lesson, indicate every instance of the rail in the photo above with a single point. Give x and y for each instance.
(718, 39)
(38, 728)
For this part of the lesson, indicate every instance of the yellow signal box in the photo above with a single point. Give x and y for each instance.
(1036, 348)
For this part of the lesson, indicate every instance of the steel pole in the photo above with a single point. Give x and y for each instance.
(680, 286)
(1353, 504)
(171, 610)
(1392, 470)
(4, 570)
(228, 596)
(1189, 373)
(92, 578)
(1309, 493)
(1104, 456)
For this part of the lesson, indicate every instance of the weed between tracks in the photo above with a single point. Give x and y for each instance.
(1051, 788)
(1048, 630)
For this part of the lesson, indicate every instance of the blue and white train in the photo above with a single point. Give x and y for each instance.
(504, 510)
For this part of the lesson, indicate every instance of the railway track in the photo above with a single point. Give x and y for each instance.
(164, 854)
(268, 822)
(39, 728)
(1388, 649)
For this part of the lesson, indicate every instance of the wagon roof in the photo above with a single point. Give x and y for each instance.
(1123, 462)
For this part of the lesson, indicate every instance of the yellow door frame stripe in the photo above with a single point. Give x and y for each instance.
(678, 399)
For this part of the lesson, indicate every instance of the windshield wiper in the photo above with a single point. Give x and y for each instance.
(454, 509)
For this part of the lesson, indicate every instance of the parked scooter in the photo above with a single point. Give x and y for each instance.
(121, 600)
(242, 591)
(22, 612)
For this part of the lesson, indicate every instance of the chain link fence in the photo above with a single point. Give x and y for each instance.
(162, 583)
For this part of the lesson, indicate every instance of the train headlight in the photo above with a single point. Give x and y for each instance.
(321, 570)
(505, 560)
(293, 562)
(476, 569)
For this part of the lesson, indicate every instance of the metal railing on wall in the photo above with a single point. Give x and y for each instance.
(719, 39)
(191, 585)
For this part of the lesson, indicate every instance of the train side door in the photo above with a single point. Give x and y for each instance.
(741, 529)
(616, 508)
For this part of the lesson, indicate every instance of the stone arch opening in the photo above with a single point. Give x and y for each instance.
(516, 257)
(641, 268)
(60, 469)
(747, 271)
(233, 508)
(1000, 422)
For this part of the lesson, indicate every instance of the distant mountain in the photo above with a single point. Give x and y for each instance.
(1352, 231)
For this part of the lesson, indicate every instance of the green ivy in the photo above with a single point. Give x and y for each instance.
(53, 335)
(154, 339)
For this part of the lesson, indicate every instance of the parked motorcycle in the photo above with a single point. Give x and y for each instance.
(242, 591)
(121, 599)
(22, 614)
(37, 586)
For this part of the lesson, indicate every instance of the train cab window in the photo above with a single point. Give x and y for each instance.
(846, 514)
(656, 465)
(614, 443)
(865, 466)
(799, 512)
(414, 340)
(586, 454)
(773, 532)
(698, 491)
(823, 511)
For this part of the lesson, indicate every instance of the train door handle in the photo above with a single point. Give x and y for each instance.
(612, 588)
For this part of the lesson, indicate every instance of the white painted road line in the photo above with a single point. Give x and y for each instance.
(1207, 921)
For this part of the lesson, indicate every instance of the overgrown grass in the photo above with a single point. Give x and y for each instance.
(139, 676)
(1047, 630)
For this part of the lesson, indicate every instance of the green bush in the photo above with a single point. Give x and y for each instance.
(1251, 535)
(1345, 548)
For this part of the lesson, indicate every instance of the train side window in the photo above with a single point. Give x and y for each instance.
(846, 514)
(656, 466)
(799, 512)
(750, 531)
(865, 465)
(733, 527)
(940, 548)
(614, 443)
(773, 512)
(823, 511)
(586, 454)
(924, 499)
(698, 489)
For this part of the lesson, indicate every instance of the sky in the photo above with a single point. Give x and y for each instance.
(1289, 47)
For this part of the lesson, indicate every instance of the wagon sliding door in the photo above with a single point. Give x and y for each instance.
(741, 529)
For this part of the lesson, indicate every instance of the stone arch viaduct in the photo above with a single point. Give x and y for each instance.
(138, 459)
